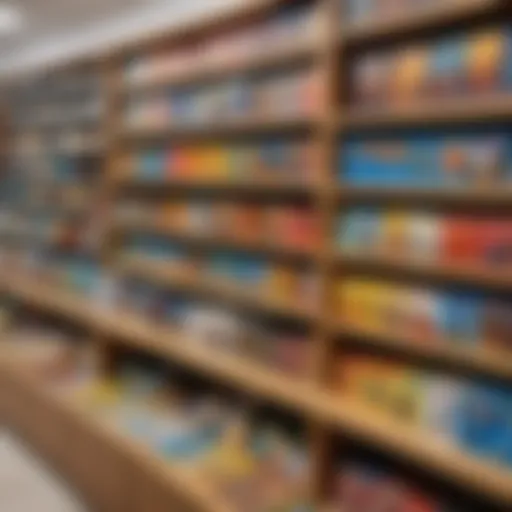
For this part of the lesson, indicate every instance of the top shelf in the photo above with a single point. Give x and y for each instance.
(426, 20)
(354, 34)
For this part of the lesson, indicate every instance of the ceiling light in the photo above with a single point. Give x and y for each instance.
(10, 19)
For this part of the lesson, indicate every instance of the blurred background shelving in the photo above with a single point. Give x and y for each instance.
(264, 262)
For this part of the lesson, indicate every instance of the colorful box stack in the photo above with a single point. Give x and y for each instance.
(475, 415)
(444, 239)
(293, 227)
(279, 282)
(425, 315)
(278, 97)
(428, 160)
(282, 282)
(456, 66)
(270, 161)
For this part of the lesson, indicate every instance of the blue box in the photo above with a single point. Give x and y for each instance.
(447, 67)
(462, 318)
(359, 229)
(483, 423)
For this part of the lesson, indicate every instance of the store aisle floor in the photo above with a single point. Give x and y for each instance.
(26, 484)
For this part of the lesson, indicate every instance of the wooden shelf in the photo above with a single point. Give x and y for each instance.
(281, 58)
(234, 128)
(489, 362)
(248, 187)
(435, 18)
(486, 109)
(487, 278)
(406, 442)
(492, 197)
(210, 285)
(64, 302)
(214, 241)
(184, 483)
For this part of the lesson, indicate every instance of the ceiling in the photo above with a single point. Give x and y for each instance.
(59, 29)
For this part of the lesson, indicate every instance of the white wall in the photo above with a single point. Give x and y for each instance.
(132, 24)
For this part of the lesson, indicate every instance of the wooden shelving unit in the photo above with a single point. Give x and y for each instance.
(309, 397)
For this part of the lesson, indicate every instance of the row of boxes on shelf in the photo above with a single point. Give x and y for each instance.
(474, 415)
(279, 281)
(427, 237)
(256, 278)
(279, 225)
(428, 160)
(275, 97)
(218, 328)
(450, 67)
(275, 160)
(291, 27)
(426, 315)
(250, 459)
(364, 11)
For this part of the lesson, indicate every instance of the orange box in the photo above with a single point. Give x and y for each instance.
(408, 82)
(283, 282)
(249, 222)
(461, 240)
(486, 60)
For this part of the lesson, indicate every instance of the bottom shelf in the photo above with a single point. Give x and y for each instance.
(110, 470)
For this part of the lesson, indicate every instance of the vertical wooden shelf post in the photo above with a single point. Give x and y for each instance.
(326, 140)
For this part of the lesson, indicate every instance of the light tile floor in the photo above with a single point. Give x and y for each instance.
(26, 485)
